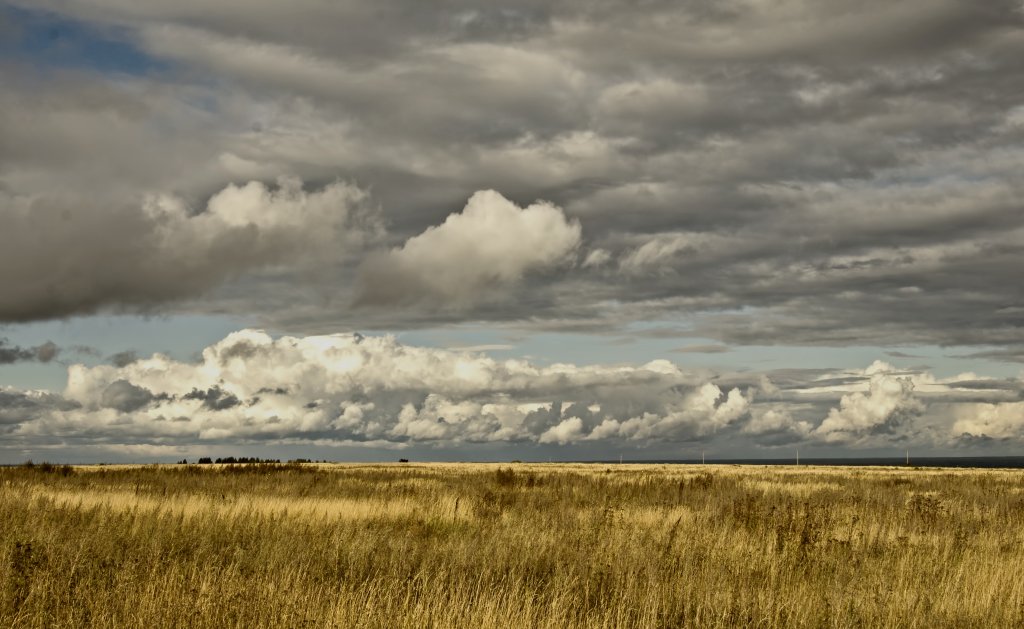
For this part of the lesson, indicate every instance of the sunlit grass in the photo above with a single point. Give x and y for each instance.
(518, 545)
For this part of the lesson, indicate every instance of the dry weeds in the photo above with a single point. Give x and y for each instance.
(510, 546)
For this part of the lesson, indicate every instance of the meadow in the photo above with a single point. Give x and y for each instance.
(520, 545)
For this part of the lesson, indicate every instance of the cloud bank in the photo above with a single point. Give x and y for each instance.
(251, 388)
(351, 387)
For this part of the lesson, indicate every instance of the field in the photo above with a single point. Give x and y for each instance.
(519, 545)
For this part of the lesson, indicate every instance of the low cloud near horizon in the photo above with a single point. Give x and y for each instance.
(353, 390)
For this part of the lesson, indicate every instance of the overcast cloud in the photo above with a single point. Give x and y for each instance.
(780, 174)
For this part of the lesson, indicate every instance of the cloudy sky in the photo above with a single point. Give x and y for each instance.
(471, 231)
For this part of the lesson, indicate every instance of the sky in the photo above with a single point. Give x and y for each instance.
(468, 230)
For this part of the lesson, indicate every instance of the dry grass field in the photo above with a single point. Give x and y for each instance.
(519, 545)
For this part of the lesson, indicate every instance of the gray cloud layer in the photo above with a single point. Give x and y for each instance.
(791, 172)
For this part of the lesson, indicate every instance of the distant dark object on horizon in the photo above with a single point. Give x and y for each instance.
(230, 460)
(49, 468)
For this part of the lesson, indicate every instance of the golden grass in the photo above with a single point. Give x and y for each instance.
(524, 545)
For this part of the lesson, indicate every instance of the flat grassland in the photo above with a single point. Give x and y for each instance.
(519, 545)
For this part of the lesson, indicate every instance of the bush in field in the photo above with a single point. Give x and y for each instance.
(49, 468)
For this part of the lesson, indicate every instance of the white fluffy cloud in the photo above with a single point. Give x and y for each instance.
(286, 220)
(347, 389)
(888, 404)
(374, 389)
(995, 421)
(702, 412)
(491, 242)
(567, 431)
(777, 423)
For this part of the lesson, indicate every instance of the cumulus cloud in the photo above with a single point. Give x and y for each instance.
(886, 408)
(351, 389)
(776, 426)
(994, 421)
(707, 410)
(771, 420)
(700, 413)
(374, 389)
(283, 218)
(567, 431)
(491, 243)
(162, 249)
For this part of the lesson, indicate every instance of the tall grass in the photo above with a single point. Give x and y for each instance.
(520, 546)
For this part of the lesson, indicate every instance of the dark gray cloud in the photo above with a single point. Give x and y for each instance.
(123, 359)
(782, 173)
(86, 351)
(125, 396)
(899, 354)
(14, 353)
(213, 398)
(1012, 354)
(17, 407)
(701, 349)
(272, 391)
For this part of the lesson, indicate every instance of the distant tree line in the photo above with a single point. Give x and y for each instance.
(231, 460)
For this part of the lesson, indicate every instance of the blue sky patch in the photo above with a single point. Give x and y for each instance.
(44, 39)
